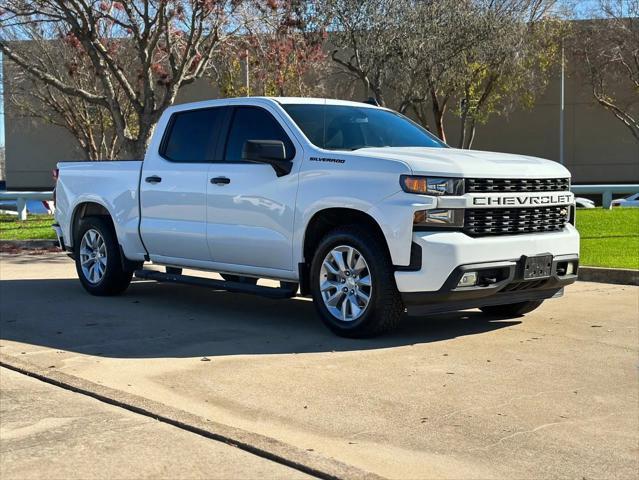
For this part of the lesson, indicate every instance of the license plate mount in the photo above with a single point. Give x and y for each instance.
(538, 266)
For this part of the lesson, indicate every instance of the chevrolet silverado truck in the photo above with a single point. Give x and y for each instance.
(350, 203)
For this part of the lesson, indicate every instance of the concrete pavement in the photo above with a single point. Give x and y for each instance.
(48, 432)
(553, 394)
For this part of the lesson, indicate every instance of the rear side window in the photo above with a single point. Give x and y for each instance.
(254, 123)
(192, 136)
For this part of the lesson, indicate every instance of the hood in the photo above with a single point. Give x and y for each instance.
(455, 162)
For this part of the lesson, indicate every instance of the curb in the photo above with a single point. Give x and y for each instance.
(619, 276)
(28, 244)
(260, 445)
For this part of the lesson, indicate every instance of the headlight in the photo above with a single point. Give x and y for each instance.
(432, 185)
(439, 218)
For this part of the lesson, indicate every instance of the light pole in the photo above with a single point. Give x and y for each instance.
(248, 82)
(561, 106)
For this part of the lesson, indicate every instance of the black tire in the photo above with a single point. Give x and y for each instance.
(512, 309)
(385, 307)
(115, 279)
(174, 270)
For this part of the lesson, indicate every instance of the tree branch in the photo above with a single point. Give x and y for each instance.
(50, 79)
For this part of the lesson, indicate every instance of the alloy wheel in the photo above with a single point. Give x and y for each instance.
(345, 283)
(93, 256)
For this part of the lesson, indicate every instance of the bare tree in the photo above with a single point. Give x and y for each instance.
(282, 43)
(139, 51)
(440, 32)
(469, 57)
(367, 38)
(509, 67)
(609, 48)
(88, 123)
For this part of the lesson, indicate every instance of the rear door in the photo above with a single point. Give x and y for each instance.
(173, 188)
(250, 210)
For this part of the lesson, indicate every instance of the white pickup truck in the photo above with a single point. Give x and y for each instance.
(350, 203)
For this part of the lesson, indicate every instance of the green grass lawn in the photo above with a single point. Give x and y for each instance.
(34, 227)
(609, 238)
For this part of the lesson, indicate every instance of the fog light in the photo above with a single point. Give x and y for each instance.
(570, 268)
(468, 279)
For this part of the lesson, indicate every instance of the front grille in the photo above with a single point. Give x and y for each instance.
(483, 185)
(509, 221)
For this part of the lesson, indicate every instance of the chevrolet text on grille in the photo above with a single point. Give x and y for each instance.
(513, 200)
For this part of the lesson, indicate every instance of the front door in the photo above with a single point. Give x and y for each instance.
(250, 210)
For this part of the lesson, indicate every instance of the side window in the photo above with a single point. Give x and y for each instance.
(192, 136)
(254, 123)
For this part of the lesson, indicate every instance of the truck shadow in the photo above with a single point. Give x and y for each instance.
(160, 320)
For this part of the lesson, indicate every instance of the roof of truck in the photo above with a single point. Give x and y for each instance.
(317, 101)
(280, 100)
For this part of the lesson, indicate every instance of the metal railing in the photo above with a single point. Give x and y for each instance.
(21, 200)
(606, 191)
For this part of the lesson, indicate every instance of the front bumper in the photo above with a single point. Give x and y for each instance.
(443, 257)
(506, 285)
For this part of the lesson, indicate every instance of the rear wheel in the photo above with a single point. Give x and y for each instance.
(512, 309)
(353, 285)
(98, 260)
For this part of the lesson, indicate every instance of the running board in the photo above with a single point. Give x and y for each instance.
(235, 287)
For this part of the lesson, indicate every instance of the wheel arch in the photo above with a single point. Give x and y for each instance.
(95, 209)
(324, 221)
(85, 209)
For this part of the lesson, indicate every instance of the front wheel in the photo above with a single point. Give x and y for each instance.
(97, 258)
(353, 284)
(512, 309)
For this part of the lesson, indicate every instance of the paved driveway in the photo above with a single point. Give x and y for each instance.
(48, 432)
(553, 394)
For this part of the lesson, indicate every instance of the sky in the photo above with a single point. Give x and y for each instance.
(582, 7)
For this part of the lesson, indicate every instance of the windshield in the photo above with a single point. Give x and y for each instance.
(341, 127)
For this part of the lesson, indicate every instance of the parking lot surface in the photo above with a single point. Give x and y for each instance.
(553, 394)
(49, 432)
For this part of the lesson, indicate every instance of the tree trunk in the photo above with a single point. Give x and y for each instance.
(421, 116)
(462, 132)
(471, 138)
(439, 124)
(134, 149)
(464, 116)
(438, 114)
(379, 96)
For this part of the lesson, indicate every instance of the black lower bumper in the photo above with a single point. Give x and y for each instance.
(499, 283)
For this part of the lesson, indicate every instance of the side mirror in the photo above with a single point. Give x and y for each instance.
(272, 152)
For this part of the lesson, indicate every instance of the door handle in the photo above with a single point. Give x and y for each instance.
(153, 179)
(221, 180)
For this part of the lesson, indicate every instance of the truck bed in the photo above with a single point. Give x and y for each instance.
(113, 185)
